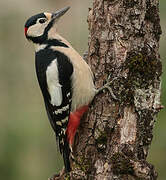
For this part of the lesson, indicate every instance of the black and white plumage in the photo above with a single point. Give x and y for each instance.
(56, 87)
(64, 77)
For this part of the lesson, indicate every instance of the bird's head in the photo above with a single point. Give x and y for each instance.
(37, 27)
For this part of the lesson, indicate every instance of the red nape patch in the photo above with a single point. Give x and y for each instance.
(74, 122)
(25, 30)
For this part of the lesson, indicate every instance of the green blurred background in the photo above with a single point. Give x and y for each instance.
(27, 143)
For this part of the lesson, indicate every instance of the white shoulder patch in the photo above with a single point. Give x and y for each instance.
(54, 88)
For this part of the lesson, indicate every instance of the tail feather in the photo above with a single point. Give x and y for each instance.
(66, 156)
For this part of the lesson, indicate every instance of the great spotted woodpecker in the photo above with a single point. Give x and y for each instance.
(65, 79)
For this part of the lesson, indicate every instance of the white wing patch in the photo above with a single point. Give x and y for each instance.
(54, 87)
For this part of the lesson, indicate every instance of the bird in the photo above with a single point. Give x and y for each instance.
(65, 79)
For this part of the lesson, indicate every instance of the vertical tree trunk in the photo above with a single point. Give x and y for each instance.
(114, 137)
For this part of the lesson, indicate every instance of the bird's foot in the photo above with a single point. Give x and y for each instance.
(107, 86)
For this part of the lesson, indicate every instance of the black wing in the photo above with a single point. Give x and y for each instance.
(58, 115)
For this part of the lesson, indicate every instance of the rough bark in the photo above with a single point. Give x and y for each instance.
(115, 135)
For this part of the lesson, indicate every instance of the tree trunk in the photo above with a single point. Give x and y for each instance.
(115, 135)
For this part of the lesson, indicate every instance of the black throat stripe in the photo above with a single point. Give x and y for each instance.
(55, 42)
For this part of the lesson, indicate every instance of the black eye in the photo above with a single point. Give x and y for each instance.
(41, 21)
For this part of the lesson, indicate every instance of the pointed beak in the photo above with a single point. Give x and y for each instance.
(60, 13)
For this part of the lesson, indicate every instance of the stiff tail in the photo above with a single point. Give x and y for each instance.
(66, 156)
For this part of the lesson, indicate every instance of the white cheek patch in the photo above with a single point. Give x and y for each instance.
(54, 87)
(36, 30)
